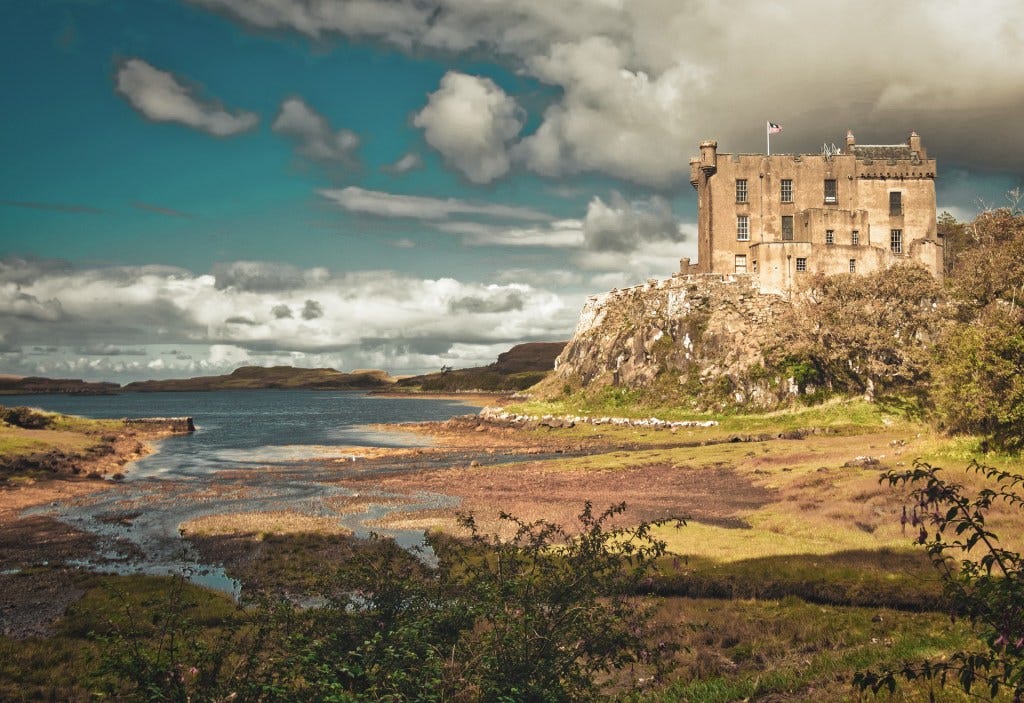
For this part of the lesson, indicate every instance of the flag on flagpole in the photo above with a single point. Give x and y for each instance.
(774, 128)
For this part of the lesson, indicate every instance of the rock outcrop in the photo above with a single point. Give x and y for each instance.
(689, 340)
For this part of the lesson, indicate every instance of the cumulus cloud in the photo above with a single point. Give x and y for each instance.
(634, 100)
(471, 120)
(266, 276)
(16, 303)
(312, 135)
(375, 202)
(162, 96)
(622, 226)
(98, 317)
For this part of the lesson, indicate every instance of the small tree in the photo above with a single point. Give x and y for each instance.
(979, 377)
(984, 581)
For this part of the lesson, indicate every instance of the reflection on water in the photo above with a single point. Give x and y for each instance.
(254, 451)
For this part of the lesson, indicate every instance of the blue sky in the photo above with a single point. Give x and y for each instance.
(193, 185)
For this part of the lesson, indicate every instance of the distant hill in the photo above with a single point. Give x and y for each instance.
(284, 377)
(517, 369)
(15, 385)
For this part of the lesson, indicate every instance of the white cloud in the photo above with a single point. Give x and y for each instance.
(471, 120)
(612, 119)
(163, 97)
(103, 319)
(560, 234)
(375, 202)
(312, 135)
(15, 302)
(409, 162)
(656, 259)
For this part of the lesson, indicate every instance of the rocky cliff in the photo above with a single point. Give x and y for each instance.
(692, 340)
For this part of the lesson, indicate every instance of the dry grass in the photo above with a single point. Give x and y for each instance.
(16, 441)
(262, 523)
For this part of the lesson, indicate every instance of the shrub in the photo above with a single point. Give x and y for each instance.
(26, 418)
(549, 615)
(984, 582)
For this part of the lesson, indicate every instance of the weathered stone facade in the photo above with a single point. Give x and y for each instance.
(779, 218)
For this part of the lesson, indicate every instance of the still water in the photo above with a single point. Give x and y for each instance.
(239, 429)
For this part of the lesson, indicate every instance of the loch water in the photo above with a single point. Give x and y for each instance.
(253, 428)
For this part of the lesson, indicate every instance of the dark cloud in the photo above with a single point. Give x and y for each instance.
(239, 320)
(312, 310)
(281, 312)
(622, 226)
(478, 304)
(108, 350)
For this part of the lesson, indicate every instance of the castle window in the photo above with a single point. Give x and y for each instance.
(741, 263)
(787, 190)
(743, 228)
(830, 236)
(787, 228)
(855, 238)
(831, 191)
(896, 241)
(801, 263)
(741, 190)
(853, 266)
(895, 202)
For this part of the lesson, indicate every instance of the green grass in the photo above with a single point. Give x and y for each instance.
(789, 650)
(837, 413)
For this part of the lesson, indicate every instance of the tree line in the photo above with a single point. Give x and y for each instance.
(955, 348)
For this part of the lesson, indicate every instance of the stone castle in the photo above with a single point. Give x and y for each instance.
(782, 217)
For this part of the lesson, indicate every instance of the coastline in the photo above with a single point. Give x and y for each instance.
(479, 399)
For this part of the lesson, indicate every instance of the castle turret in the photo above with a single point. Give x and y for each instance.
(850, 141)
(709, 156)
(914, 142)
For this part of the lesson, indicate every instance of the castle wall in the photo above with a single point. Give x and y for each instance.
(856, 209)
